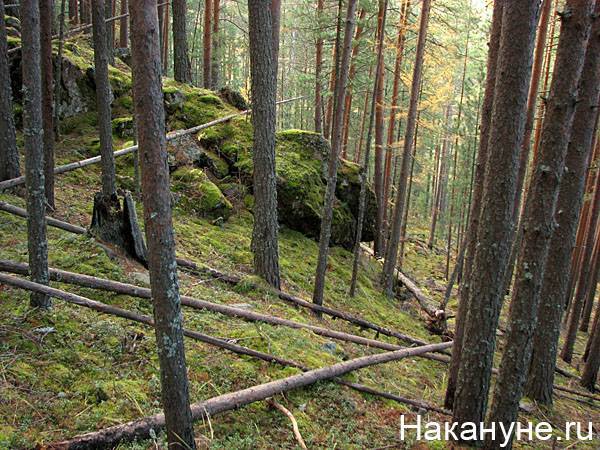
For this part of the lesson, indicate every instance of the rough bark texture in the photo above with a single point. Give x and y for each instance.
(336, 134)
(214, 65)
(110, 31)
(491, 256)
(478, 182)
(9, 155)
(34, 155)
(264, 91)
(207, 44)
(58, 70)
(46, 16)
(538, 221)
(103, 99)
(150, 119)
(556, 276)
(378, 243)
(391, 254)
(124, 26)
(181, 62)
(73, 12)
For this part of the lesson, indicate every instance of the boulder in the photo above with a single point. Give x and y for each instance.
(199, 195)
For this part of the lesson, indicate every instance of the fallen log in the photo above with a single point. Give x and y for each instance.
(207, 339)
(7, 184)
(7, 207)
(335, 313)
(142, 428)
(141, 292)
(411, 286)
(234, 280)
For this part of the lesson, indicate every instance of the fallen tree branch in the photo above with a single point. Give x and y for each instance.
(170, 137)
(211, 340)
(290, 416)
(234, 280)
(141, 429)
(137, 291)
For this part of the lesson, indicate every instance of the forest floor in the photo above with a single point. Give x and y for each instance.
(72, 370)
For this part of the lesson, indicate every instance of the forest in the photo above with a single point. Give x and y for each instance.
(311, 224)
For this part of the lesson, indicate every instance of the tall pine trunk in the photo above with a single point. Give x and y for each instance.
(214, 64)
(338, 119)
(33, 133)
(318, 71)
(555, 283)
(181, 60)
(491, 256)
(540, 206)
(264, 94)
(9, 155)
(46, 15)
(150, 120)
(391, 254)
(124, 26)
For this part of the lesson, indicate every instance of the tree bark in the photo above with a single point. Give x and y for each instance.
(391, 254)
(46, 16)
(264, 93)
(74, 12)
(9, 155)
(555, 284)
(538, 221)
(150, 119)
(491, 257)
(110, 31)
(207, 44)
(33, 133)
(214, 64)
(318, 70)
(378, 243)
(181, 59)
(336, 138)
(58, 72)
(124, 26)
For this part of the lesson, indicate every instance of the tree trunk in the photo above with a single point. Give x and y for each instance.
(264, 92)
(215, 63)
(46, 16)
(207, 44)
(74, 12)
(165, 40)
(404, 13)
(336, 138)
(570, 198)
(318, 70)
(150, 119)
(33, 133)
(181, 60)
(538, 221)
(391, 254)
(58, 72)
(333, 77)
(110, 31)
(491, 257)
(378, 244)
(124, 26)
(9, 155)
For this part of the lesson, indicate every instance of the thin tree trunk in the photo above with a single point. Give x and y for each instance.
(491, 257)
(215, 53)
(555, 284)
(58, 73)
(207, 43)
(181, 58)
(110, 34)
(150, 119)
(165, 41)
(391, 254)
(124, 26)
(46, 16)
(74, 12)
(264, 94)
(318, 70)
(379, 136)
(336, 135)
(9, 155)
(538, 221)
(34, 156)
(334, 73)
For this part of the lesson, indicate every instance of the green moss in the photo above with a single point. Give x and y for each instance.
(201, 195)
(123, 127)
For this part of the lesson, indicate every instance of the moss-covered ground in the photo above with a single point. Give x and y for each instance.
(71, 370)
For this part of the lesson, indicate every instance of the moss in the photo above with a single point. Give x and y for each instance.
(123, 127)
(201, 195)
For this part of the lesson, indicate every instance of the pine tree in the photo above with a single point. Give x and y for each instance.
(46, 15)
(150, 120)
(181, 60)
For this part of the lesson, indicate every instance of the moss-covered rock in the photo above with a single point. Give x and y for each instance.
(123, 127)
(199, 195)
